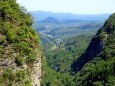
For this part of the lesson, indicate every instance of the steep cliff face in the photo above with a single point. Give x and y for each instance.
(97, 65)
(20, 53)
(95, 47)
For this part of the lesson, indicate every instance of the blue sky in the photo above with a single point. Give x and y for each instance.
(72, 6)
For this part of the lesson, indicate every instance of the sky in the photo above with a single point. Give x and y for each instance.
(70, 6)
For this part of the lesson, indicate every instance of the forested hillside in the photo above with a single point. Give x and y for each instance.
(57, 70)
(99, 58)
(61, 58)
(20, 52)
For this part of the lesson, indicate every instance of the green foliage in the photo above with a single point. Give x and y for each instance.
(97, 83)
(52, 78)
(21, 74)
(31, 57)
(24, 47)
(11, 36)
(20, 32)
(7, 74)
(10, 77)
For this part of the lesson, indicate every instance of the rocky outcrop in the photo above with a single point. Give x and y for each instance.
(8, 63)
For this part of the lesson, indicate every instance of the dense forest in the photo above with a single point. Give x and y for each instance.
(60, 59)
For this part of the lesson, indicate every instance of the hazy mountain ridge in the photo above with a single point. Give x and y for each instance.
(41, 15)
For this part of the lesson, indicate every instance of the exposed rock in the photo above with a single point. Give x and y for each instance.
(36, 72)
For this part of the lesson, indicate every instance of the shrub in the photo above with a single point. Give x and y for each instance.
(28, 83)
(19, 60)
(24, 47)
(21, 74)
(11, 37)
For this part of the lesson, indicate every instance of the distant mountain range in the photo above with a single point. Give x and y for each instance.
(68, 21)
(41, 15)
(62, 26)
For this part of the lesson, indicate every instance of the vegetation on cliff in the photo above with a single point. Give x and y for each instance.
(18, 44)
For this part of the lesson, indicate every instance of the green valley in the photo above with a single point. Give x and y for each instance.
(43, 48)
